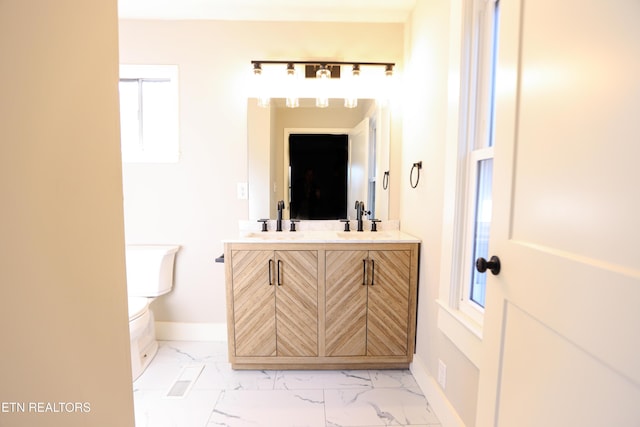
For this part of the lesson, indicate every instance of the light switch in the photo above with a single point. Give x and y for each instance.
(242, 191)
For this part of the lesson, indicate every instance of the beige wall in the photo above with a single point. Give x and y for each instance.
(63, 308)
(425, 117)
(194, 202)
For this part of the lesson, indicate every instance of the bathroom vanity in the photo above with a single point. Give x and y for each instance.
(321, 299)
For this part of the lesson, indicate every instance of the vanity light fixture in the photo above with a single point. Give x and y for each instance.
(323, 75)
(324, 72)
(263, 99)
(388, 70)
(292, 98)
(351, 101)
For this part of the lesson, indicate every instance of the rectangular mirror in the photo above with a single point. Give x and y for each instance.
(287, 159)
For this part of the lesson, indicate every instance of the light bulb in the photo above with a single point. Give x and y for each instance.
(323, 75)
(263, 99)
(292, 100)
(351, 100)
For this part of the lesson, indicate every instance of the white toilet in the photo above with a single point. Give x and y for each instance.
(149, 275)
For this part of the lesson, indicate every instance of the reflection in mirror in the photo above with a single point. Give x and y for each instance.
(318, 175)
(349, 167)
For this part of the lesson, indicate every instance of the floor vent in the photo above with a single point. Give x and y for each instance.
(183, 383)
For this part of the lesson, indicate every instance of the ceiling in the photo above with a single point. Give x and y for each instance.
(269, 10)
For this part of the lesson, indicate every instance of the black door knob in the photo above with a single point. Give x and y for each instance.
(492, 265)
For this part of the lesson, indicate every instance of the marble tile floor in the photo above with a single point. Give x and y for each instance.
(221, 396)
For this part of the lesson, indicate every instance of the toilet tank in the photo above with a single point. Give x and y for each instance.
(150, 269)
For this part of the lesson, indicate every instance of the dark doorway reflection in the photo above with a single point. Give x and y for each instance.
(318, 166)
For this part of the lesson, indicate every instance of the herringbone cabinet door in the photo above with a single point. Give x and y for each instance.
(346, 303)
(388, 303)
(297, 303)
(254, 304)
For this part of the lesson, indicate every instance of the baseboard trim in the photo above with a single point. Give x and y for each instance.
(181, 331)
(437, 400)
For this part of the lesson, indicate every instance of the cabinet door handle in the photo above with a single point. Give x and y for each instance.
(279, 282)
(270, 272)
(364, 272)
(373, 269)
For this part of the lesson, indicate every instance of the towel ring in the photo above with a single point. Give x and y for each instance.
(417, 166)
(385, 180)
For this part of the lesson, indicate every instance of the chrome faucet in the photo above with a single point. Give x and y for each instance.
(279, 219)
(359, 212)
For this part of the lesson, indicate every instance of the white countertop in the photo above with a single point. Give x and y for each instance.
(329, 232)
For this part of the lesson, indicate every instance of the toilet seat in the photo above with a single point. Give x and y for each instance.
(137, 307)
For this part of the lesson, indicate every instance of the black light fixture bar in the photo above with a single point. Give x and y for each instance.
(381, 64)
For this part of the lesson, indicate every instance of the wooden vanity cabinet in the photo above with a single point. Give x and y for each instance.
(275, 303)
(321, 306)
(367, 302)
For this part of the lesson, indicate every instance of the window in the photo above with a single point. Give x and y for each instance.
(468, 176)
(149, 113)
(477, 156)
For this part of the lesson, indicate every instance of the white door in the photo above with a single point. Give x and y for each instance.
(358, 165)
(562, 323)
